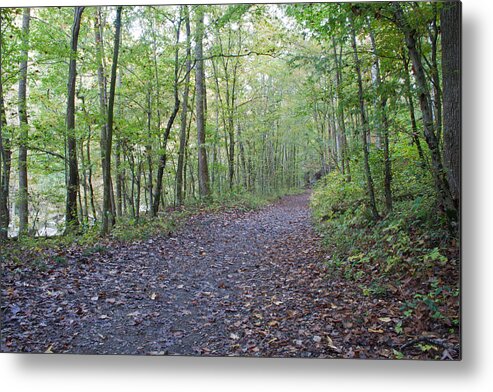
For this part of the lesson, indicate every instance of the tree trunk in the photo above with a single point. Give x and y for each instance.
(340, 110)
(435, 77)
(203, 171)
(5, 156)
(24, 127)
(384, 124)
(108, 212)
(71, 217)
(365, 128)
(184, 112)
(451, 19)
(171, 120)
(414, 126)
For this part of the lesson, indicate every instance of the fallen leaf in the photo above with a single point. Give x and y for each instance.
(330, 343)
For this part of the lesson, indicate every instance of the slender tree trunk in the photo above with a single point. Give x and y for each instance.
(242, 158)
(340, 110)
(24, 127)
(169, 125)
(118, 166)
(365, 128)
(138, 184)
(433, 34)
(84, 206)
(384, 124)
(102, 83)
(184, 112)
(71, 215)
(5, 155)
(203, 170)
(451, 18)
(89, 175)
(119, 181)
(148, 148)
(88, 187)
(414, 126)
(108, 218)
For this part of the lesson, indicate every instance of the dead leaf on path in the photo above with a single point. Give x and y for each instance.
(48, 350)
(375, 330)
(385, 319)
(330, 343)
(234, 336)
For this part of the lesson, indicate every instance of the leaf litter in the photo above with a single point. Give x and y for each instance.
(233, 283)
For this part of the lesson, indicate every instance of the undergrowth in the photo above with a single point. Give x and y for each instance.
(408, 255)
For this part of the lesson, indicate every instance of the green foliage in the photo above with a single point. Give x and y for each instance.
(411, 241)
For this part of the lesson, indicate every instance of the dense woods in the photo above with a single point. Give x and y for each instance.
(268, 95)
(112, 117)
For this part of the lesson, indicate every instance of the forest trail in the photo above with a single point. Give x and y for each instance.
(232, 283)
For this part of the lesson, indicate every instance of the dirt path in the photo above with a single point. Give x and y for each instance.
(225, 284)
(229, 284)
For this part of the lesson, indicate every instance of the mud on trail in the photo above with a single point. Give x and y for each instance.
(229, 284)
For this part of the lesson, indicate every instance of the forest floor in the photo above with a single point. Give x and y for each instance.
(225, 284)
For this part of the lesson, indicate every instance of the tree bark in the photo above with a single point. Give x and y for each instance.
(5, 155)
(435, 77)
(365, 128)
(184, 113)
(384, 124)
(169, 125)
(414, 126)
(203, 170)
(451, 19)
(24, 127)
(71, 216)
(108, 210)
(340, 111)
